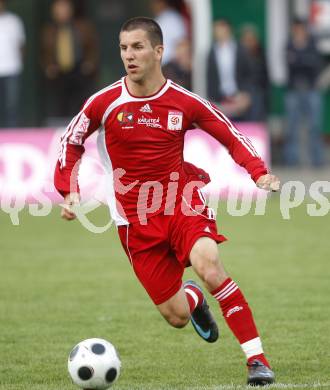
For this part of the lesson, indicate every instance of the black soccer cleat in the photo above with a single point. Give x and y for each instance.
(202, 319)
(259, 374)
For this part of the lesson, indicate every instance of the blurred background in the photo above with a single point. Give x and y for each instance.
(262, 61)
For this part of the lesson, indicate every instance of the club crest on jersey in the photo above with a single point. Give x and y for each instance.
(174, 120)
(125, 117)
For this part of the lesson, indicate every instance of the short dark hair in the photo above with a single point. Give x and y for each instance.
(149, 25)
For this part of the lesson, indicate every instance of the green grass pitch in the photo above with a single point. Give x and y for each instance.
(60, 284)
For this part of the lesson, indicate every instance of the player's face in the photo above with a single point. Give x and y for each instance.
(139, 57)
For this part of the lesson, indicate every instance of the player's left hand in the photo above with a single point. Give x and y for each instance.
(269, 182)
(72, 199)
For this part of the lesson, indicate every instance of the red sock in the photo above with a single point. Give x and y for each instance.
(194, 296)
(239, 318)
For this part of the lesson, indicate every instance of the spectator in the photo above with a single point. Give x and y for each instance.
(258, 74)
(69, 59)
(172, 23)
(179, 69)
(303, 100)
(12, 40)
(228, 78)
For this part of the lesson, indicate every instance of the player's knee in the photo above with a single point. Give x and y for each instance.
(212, 272)
(207, 264)
(213, 277)
(178, 320)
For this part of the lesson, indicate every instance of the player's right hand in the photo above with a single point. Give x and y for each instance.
(72, 199)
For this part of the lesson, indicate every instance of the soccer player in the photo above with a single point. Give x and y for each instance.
(163, 223)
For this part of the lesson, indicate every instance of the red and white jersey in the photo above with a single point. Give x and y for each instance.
(142, 138)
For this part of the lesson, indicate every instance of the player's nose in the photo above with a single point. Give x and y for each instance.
(129, 55)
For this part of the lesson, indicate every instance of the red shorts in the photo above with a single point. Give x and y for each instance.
(159, 251)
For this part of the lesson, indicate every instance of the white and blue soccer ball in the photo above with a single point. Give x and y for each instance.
(94, 364)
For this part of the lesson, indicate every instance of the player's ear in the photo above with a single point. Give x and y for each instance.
(159, 50)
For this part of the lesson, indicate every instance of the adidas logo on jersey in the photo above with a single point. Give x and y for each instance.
(146, 108)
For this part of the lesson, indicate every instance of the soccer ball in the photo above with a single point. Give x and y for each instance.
(94, 364)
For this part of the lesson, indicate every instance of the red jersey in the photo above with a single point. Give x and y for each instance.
(141, 143)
